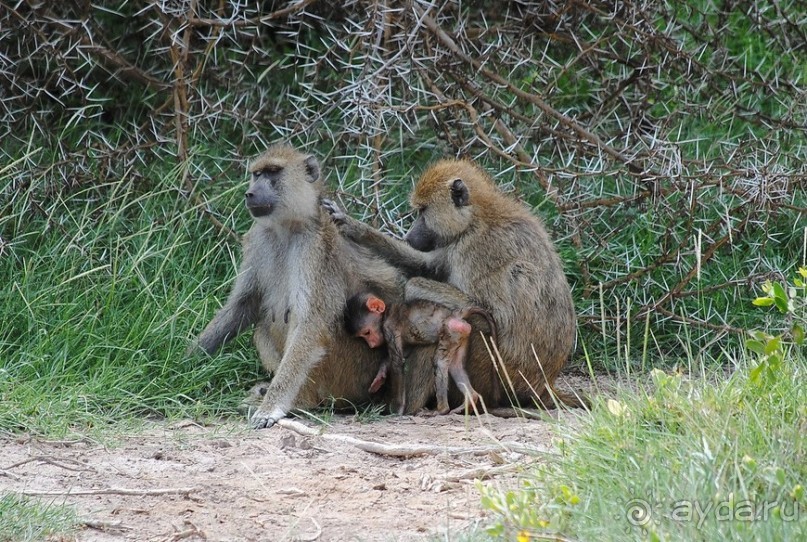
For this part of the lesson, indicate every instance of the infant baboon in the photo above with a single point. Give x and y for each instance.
(296, 275)
(417, 322)
(489, 250)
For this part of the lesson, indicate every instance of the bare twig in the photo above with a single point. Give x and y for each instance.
(187, 533)
(9, 474)
(278, 14)
(52, 461)
(485, 473)
(542, 105)
(406, 450)
(103, 525)
(184, 491)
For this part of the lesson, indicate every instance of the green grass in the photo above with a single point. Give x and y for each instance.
(23, 519)
(683, 460)
(105, 287)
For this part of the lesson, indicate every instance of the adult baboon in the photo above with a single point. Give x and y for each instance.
(296, 275)
(492, 252)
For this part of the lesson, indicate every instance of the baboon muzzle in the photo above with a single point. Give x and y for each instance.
(420, 237)
(259, 202)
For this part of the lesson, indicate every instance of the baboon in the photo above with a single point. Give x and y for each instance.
(296, 275)
(417, 322)
(473, 245)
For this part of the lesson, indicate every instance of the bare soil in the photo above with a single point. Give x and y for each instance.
(185, 481)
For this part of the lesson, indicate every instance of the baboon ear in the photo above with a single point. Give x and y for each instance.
(312, 168)
(459, 193)
(375, 304)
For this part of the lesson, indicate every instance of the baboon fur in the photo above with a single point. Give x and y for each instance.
(293, 282)
(487, 249)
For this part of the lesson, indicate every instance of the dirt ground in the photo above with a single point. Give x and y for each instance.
(184, 481)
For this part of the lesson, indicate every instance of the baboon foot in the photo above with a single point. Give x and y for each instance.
(378, 381)
(470, 404)
(443, 408)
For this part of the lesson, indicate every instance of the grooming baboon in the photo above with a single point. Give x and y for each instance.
(491, 251)
(400, 326)
(296, 275)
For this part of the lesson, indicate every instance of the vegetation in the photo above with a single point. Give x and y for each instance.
(665, 152)
(22, 520)
(663, 143)
(713, 458)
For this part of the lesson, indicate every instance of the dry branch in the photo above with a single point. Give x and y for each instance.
(51, 461)
(184, 491)
(103, 525)
(275, 15)
(496, 78)
(406, 450)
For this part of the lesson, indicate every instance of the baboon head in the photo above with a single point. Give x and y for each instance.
(283, 183)
(446, 199)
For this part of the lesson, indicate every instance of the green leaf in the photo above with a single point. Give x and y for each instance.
(757, 347)
(759, 335)
(779, 296)
(774, 363)
(755, 373)
(774, 345)
(763, 302)
(798, 334)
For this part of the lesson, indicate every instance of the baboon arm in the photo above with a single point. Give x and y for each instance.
(436, 292)
(302, 354)
(412, 262)
(238, 314)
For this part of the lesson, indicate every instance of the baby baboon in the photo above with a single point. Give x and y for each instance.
(296, 275)
(417, 322)
(491, 251)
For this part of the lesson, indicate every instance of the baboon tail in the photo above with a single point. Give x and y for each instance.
(552, 398)
(482, 312)
(549, 400)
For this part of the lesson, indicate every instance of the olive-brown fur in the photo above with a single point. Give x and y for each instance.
(296, 274)
(486, 248)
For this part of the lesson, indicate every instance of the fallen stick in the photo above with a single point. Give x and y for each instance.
(108, 491)
(186, 534)
(484, 473)
(10, 474)
(103, 525)
(406, 450)
(51, 461)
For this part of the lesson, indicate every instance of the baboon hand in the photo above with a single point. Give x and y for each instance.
(349, 227)
(266, 418)
(338, 216)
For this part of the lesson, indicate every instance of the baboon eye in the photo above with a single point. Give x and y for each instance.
(271, 170)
